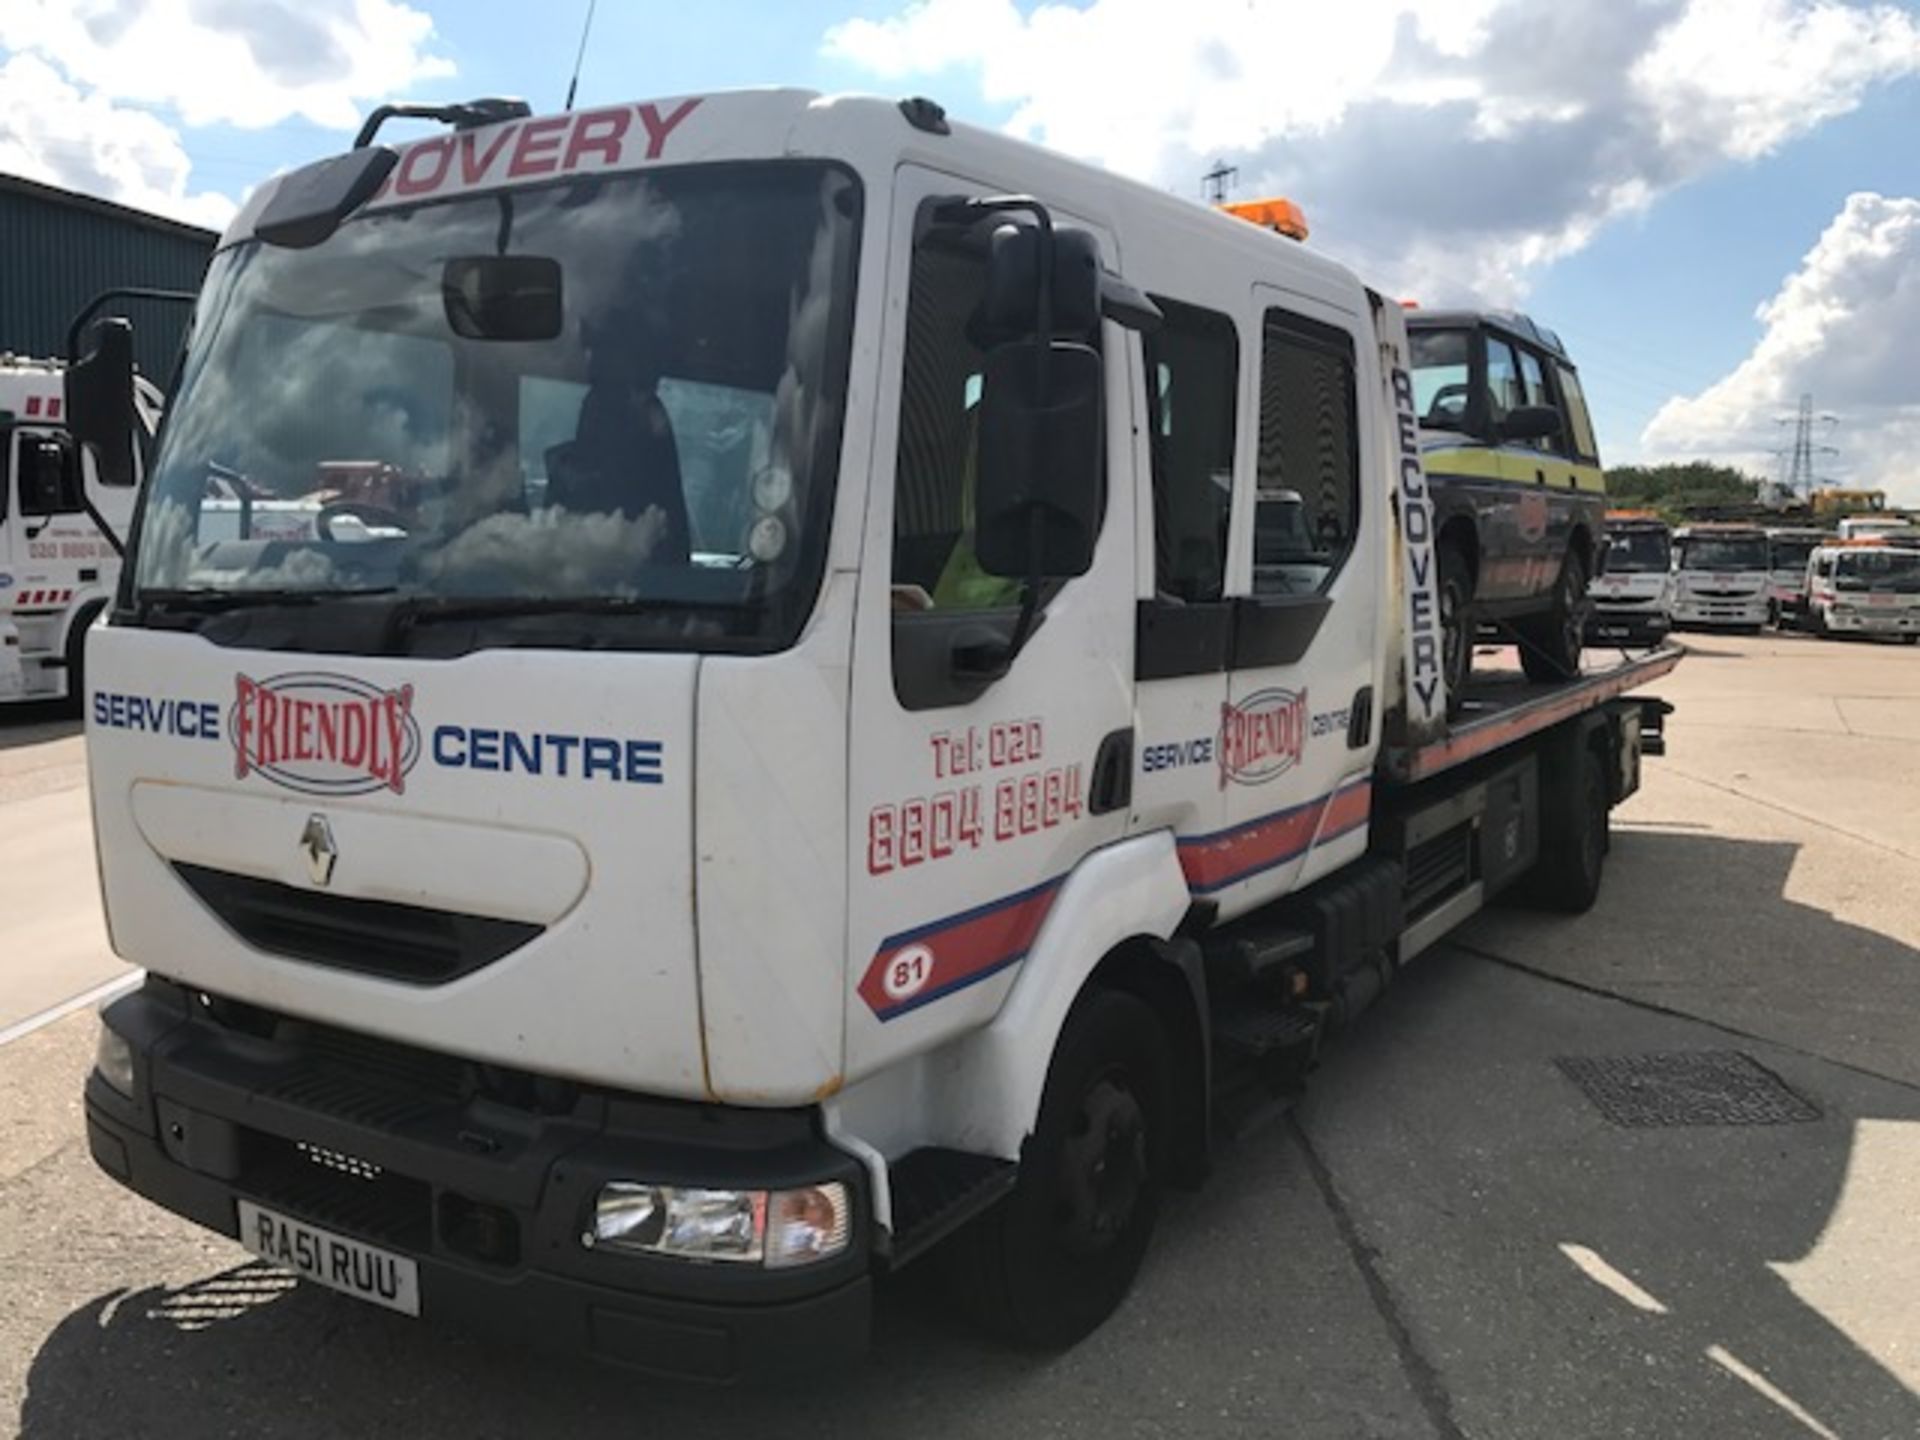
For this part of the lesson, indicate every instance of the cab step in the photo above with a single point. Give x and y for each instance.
(1253, 1028)
(936, 1191)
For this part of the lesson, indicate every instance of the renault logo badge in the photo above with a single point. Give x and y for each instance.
(316, 843)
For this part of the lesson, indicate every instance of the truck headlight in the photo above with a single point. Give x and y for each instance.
(776, 1228)
(113, 1058)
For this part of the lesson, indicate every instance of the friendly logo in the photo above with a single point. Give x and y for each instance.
(323, 734)
(1261, 737)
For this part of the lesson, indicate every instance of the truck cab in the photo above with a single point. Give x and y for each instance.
(1721, 576)
(878, 678)
(57, 565)
(1633, 594)
(1865, 587)
(1518, 490)
(1788, 551)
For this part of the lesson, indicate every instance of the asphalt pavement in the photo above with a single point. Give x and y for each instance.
(1451, 1236)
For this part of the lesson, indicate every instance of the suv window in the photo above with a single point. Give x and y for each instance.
(1504, 391)
(1193, 370)
(1307, 484)
(1533, 382)
(1578, 421)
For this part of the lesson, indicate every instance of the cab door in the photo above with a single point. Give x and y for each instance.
(1298, 726)
(973, 793)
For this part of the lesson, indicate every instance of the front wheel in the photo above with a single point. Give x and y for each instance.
(1054, 1259)
(1550, 646)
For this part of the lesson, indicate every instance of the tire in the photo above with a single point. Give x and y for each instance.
(1910, 639)
(1457, 626)
(1817, 623)
(1574, 838)
(1550, 645)
(1052, 1261)
(76, 667)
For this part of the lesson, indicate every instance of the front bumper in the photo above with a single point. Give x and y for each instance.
(1624, 626)
(221, 1112)
(1718, 610)
(1857, 622)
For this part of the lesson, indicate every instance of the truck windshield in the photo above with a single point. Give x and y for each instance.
(1722, 552)
(645, 423)
(1441, 370)
(1635, 552)
(1878, 570)
(1791, 554)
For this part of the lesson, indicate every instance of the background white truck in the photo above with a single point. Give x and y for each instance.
(57, 568)
(1720, 576)
(1865, 587)
(1633, 594)
(810, 769)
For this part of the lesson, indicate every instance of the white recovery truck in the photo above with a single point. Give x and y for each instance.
(823, 758)
(58, 565)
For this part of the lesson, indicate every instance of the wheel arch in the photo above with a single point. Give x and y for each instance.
(1112, 927)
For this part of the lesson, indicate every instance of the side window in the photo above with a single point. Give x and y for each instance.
(1503, 380)
(1533, 382)
(933, 560)
(1307, 484)
(1193, 371)
(1578, 421)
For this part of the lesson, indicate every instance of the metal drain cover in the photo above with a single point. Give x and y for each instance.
(1695, 1087)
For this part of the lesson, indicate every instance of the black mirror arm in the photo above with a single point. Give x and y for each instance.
(124, 292)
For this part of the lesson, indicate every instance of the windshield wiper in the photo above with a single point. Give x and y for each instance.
(208, 601)
(432, 609)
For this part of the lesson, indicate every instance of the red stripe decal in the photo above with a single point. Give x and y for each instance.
(1212, 862)
(921, 965)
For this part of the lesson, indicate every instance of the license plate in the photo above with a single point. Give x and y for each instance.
(1612, 632)
(349, 1266)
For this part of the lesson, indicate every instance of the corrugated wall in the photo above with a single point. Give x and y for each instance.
(57, 252)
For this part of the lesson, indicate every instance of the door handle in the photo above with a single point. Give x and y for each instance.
(1112, 785)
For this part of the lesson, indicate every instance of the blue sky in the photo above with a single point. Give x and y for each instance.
(1644, 178)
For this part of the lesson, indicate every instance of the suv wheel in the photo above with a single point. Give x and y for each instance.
(1457, 624)
(1550, 644)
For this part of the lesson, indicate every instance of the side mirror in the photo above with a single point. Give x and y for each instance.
(49, 476)
(308, 204)
(1011, 309)
(502, 297)
(1530, 422)
(99, 396)
(1040, 462)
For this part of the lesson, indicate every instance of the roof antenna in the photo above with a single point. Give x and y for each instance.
(585, 30)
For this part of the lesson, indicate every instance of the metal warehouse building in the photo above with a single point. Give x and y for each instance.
(58, 250)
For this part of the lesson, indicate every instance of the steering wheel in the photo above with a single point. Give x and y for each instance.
(362, 511)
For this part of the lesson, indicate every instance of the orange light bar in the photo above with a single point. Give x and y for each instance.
(1278, 214)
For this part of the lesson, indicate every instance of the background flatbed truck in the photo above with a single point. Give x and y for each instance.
(465, 999)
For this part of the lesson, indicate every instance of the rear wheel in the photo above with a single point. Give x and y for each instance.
(1574, 837)
(1056, 1257)
(1550, 645)
(1457, 623)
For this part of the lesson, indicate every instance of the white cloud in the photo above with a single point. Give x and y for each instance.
(242, 62)
(1447, 149)
(51, 131)
(91, 90)
(1843, 327)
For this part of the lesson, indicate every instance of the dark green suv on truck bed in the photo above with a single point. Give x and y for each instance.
(1517, 488)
